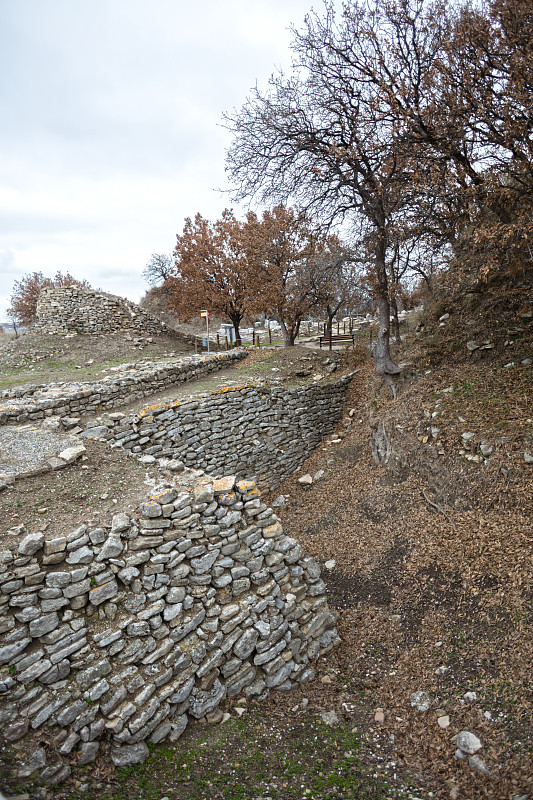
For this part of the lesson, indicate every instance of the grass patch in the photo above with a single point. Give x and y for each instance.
(246, 758)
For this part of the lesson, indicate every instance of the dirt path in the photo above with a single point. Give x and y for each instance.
(278, 366)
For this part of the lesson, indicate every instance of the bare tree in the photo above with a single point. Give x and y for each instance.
(159, 269)
(324, 136)
(336, 283)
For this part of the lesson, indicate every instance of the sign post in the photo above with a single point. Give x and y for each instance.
(205, 314)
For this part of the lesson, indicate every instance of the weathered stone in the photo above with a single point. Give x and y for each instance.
(58, 579)
(246, 644)
(112, 548)
(42, 625)
(11, 651)
(99, 594)
(31, 544)
(203, 702)
(120, 522)
(127, 755)
(36, 760)
(88, 752)
(83, 555)
(468, 742)
(16, 730)
(73, 453)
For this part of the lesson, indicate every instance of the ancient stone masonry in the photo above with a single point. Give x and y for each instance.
(251, 430)
(118, 635)
(124, 384)
(73, 308)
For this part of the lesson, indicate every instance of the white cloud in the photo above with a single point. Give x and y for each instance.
(111, 130)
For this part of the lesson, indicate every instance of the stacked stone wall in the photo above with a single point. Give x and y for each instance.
(126, 384)
(253, 431)
(74, 308)
(118, 635)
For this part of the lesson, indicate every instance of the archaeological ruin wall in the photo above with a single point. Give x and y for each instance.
(74, 308)
(118, 635)
(121, 386)
(253, 431)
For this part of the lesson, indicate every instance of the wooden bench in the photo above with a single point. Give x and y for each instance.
(338, 338)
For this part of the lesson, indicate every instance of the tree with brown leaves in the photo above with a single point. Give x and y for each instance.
(212, 270)
(290, 256)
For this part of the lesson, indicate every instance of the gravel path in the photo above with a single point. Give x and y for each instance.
(23, 447)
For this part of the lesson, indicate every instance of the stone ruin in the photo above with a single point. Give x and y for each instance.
(74, 308)
(116, 636)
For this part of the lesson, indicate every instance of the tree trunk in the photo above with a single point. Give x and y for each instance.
(329, 324)
(394, 309)
(236, 322)
(289, 334)
(385, 366)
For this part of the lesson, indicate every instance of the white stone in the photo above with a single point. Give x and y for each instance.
(31, 543)
(420, 701)
(468, 742)
(72, 453)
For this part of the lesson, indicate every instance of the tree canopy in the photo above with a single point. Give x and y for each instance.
(412, 121)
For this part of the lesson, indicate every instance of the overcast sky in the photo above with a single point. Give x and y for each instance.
(110, 125)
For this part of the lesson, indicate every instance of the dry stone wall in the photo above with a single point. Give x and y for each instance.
(73, 308)
(118, 635)
(252, 430)
(123, 385)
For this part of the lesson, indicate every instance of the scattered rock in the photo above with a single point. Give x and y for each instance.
(35, 761)
(468, 742)
(72, 453)
(420, 701)
(306, 480)
(330, 564)
(478, 765)
(330, 718)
